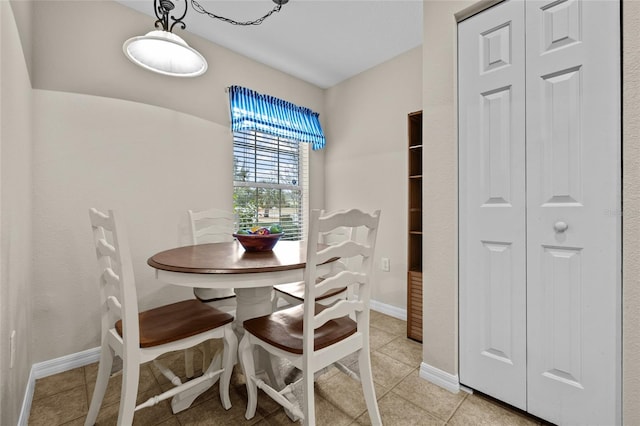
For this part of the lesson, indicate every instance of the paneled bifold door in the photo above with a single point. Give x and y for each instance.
(540, 207)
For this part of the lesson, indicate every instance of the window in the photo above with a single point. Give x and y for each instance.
(270, 160)
(270, 180)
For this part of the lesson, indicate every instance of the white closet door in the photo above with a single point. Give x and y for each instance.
(492, 203)
(573, 211)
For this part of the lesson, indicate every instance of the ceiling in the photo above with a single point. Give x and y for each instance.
(320, 41)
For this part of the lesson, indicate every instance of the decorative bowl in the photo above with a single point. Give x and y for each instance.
(256, 242)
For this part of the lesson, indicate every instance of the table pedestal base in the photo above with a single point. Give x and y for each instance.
(183, 400)
(251, 303)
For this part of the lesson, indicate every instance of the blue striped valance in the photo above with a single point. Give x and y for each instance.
(251, 110)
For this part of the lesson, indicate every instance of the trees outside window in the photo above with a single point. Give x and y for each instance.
(268, 182)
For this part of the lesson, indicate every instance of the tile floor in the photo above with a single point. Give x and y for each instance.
(403, 398)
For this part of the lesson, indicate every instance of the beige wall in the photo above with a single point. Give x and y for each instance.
(99, 152)
(112, 135)
(366, 158)
(85, 56)
(23, 15)
(440, 185)
(440, 195)
(631, 218)
(15, 218)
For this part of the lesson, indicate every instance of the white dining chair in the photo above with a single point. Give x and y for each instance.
(210, 226)
(312, 336)
(290, 294)
(139, 337)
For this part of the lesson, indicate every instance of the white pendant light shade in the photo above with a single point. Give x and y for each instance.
(165, 53)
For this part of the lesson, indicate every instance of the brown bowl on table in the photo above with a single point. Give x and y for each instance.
(257, 242)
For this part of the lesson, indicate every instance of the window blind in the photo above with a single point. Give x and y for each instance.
(270, 176)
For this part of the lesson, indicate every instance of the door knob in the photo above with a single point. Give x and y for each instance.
(561, 226)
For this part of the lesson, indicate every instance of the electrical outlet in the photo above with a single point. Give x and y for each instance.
(385, 264)
(12, 348)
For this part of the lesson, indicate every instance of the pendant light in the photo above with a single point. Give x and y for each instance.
(164, 52)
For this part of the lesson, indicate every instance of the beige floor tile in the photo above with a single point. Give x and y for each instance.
(171, 421)
(387, 371)
(108, 414)
(480, 411)
(389, 324)
(237, 377)
(266, 405)
(57, 383)
(346, 394)
(60, 408)
(175, 362)
(77, 422)
(146, 382)
(350, 360)
(330, 372)
(403, 350)
(395, 410)
(212, 392)
(90, 372)
(326, 414)
(211, 412)
(379, 337)
(434, 399)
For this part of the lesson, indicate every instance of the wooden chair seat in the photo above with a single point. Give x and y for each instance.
(296, 291)
(283, 329)
(177, 321)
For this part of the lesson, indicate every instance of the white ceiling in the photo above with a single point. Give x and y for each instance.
(320, 41)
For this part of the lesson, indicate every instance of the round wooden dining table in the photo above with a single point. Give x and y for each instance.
(227, 265)
(252, 275)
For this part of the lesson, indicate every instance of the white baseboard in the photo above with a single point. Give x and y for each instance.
(390, 310)
(23, 420)
(49, 368)
(65, 363)
(441, 378)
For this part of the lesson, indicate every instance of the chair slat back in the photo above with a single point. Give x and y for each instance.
(118, 295)
(357, 302)
(344, 250)
(342, 279)
(341, 309)
(211, 226)
(337, 236)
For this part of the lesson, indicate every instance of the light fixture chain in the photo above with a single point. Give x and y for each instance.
(162, 9)
(198, 8)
